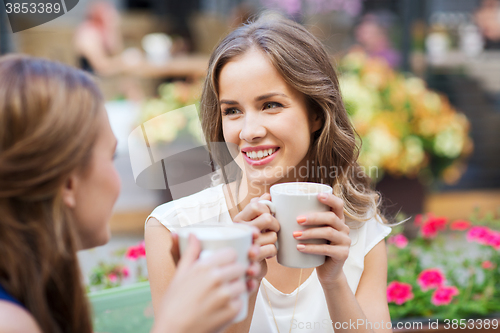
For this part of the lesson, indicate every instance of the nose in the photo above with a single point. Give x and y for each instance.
(252, 128)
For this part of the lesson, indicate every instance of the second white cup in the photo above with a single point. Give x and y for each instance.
(212, 238)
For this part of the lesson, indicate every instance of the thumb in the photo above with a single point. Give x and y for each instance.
(265, 196)
(192, 253)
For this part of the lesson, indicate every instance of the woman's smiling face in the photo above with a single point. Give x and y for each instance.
(264, 114)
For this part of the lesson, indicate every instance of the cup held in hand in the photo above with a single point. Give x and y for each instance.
(290, 200)
(215, 237)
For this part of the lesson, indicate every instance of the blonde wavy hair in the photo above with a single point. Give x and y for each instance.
(304, 64)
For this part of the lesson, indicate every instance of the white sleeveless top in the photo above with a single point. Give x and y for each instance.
(311, 313)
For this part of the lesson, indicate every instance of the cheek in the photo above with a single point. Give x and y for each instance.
(115, 182)
(230, 132)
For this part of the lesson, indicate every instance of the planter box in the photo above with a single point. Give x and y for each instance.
(125, 309)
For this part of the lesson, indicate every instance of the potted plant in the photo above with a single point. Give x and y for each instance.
(408, 132)
(119, 293)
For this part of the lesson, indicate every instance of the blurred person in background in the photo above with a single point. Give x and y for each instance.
(487, 18)
(372, 35)
(99, 42)
(58, 185)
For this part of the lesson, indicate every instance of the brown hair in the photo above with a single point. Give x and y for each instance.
(48, 127)
(304, 64)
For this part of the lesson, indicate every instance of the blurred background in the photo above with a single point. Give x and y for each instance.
(420, 79)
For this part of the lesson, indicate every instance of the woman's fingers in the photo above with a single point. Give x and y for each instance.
(266, 222)
(267, 251)
(258, 214)
(192, 252)
(334, 202)
(336, 252)
(266, 238)
(253, 270)
(229, 273)
(328, 233)
(220, 257)
(226, 313)
(323, 219)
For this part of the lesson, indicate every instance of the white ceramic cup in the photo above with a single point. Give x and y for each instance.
(290, 200)
(212, 238)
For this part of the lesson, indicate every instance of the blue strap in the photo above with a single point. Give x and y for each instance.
(5, 296)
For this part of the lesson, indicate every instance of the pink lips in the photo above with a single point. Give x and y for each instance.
(261, 161)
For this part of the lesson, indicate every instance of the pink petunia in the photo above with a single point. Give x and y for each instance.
(136, 252)
(487, 264)
(431, 226)
(460, 225)
(431, 278)
(444, 295)
(399, 292)
(112, 277)
(493, 239)
(478, 234)
(399, 240)
(125, 271)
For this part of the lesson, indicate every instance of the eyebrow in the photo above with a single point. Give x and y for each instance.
(257, 99)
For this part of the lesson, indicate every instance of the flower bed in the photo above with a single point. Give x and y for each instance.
(449, 271)
(125, 266)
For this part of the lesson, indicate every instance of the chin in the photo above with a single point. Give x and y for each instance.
(96, 240)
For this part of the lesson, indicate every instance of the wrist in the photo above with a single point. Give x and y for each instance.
(335, 283)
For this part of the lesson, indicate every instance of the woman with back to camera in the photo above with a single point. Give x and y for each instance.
(271, 87)
(58, 186)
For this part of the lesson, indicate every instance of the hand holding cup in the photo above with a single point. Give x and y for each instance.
(259, 216)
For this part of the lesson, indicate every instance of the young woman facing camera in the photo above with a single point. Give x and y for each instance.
(58, 186)
(272, 92)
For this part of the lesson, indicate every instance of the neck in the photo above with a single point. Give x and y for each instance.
(250, 189)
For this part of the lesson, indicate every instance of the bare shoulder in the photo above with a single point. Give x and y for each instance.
(14, 319)
(154, 228)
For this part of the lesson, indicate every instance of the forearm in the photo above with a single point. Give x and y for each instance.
(244, 326)
(345, 312)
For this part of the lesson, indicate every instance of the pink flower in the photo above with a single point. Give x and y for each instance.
(444, 295)
(430, 225)
(399, 240)
(125, 271)
(460, 225)
(135, 252)
(478, 234)
(493, 239)
(418, 219)
(431, 278)
(487, 264)
(112, 277)
(399, 292)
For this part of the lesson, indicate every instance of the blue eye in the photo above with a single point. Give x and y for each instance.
(272, 105)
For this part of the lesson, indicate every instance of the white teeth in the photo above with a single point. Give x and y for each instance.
(257, 155)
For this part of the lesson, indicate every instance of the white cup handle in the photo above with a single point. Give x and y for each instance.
(272, 208)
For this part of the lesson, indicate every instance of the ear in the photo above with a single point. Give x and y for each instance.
(316, 122)
(69, 191)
